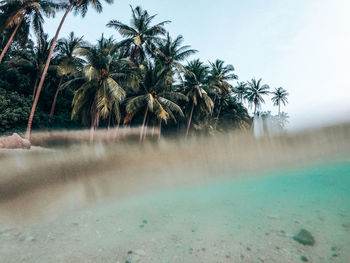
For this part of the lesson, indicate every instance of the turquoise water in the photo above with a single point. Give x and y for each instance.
(253, 219)
(250, 219)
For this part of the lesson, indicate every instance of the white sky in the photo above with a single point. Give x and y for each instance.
(301, 45)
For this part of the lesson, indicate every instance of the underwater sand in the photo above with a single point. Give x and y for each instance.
(249, 219)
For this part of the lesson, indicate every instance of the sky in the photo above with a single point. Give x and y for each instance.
(300, 45)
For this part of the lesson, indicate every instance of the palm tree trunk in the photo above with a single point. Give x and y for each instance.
(136, 55)
(145, 130)
(92, 129)
(214, 99)
(254, 108)
(109, 121)
(35, 85)
(94, 113)
(41, 83)
(143, 123)
(189, 120)
(54, 104)
(279, 109)
(55, 99)
(221, 103)
(12, 37)
(160, 129)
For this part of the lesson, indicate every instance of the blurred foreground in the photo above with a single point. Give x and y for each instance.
(229, 198)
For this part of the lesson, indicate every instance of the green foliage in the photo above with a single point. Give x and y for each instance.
(255, 93)
(140, 36)
(139, 80)
(14, 111)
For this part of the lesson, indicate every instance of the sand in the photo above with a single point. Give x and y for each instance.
(247, 220)
(199, 206)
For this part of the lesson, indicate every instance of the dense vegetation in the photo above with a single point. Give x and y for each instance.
(143, 79)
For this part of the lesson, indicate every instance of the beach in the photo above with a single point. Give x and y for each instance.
(182, 203)
(250, 220)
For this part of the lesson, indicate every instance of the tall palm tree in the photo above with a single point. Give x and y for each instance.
(195, 81)
(23, 31)
(218, 78)
(69, 62)
(17, 11)
(170, 53)
(240, 90)
(279, 96)
(79, 6)
(100, 94)
(155, 98)
(141, 35)
(255, 93)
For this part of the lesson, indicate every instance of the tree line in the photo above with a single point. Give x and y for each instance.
(144, 79)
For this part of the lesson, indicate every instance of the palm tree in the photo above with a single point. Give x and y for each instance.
(218, 78)
(279, 96)
(141, 35)
(100, 93)
(234, 114)
(33, 58)
(69, 62)
(153, 97)
(195, 81)
(22, 34)
(240, 90)
(283, 119)
(17, 11)
(255, 93)
(170, 53)
(79, 6)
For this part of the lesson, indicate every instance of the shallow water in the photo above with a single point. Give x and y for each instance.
(248, 219)
(225, 198)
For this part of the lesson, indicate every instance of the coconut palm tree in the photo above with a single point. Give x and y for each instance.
(240, 90)
(170, 53)
(218, 78)
(80, 7)
(69, 63)
(100, 94)
(279, 96)
(31, 10)
(195, 82)
(141, 35)
(255, 93)
(22, 35)
(154, 97)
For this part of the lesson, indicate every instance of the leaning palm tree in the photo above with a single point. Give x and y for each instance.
(141, 35)
(195, 81)
(218, 78)
(279, 96)
(240, 91)
(18, 10)
(22, 34)
(255, 93)
(154, 97)
(69, 62)
(79, 6)
(100, 94)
